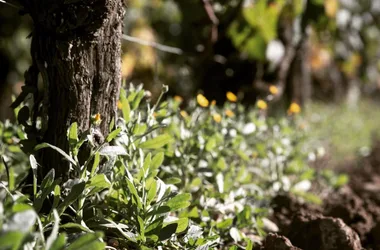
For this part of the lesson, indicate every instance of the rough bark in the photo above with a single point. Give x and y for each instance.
(76, 47)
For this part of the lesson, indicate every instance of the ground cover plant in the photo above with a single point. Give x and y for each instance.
(164, 178)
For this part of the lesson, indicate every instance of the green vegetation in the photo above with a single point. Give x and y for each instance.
(164, 177)
(344, 131)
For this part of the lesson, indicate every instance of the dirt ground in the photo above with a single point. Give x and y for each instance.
(348, 219)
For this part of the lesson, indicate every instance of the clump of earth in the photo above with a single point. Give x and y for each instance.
(349, 218)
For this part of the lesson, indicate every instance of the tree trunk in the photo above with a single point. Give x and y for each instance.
(76, 48)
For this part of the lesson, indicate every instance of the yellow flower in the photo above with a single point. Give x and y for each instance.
(177, 98)
(273, 89)
(262, 104)
(119, 105)
(231, 96)
(96, 119)
(294, 108)
(184, 114)
(217, 117)
(331, 7)
(202, 101)
(213, 103)
(229, 113)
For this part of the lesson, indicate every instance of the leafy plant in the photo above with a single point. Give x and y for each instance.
(164, 178)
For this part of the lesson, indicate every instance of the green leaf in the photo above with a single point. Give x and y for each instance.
(11, 240)
(140, 129)
(141, 227)
(249, 245)
(98, 183)
(41, 196)
(59, 243)
(88, 241)
(193, 213)
(211, 144)
(224, 224)
(113, 134)
(159, 211)
(125, 108)
(173, 180)
(75, 226)
(183, 223)
(157, 161)
(21, 207)
(152, 191)
(34, 165)
(49, 179)
(63, 153)
(179, 201)
(168, 231)
(75, 193)
(255, 48)
(73, 134)
(57, 196)
(137, 99)
(134, 193)
(147, 161)
(155, 226)
(95, 164)
(157, 142)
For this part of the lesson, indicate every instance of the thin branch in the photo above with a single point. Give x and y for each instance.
(214, 20)
(155, 45)
(11, 4)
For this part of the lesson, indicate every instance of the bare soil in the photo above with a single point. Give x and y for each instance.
(349, 218)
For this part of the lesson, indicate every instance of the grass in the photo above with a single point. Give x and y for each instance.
(344, 131)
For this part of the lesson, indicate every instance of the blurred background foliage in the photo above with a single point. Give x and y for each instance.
(320, 54)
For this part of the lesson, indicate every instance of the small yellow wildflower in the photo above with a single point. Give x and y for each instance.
(229, 113)
(178, 98)
(119, 105)
(273, 89)
(231, 96)
(202, 100)
(97, 119)
(184, 114)
(213, 103)
(262, 104)
(294, 108)
(217, 117)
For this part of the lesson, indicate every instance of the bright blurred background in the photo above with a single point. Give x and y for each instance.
(322, 55)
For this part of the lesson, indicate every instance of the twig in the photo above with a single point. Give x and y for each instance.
(214, 20)
(155, 45)
(10, 4)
